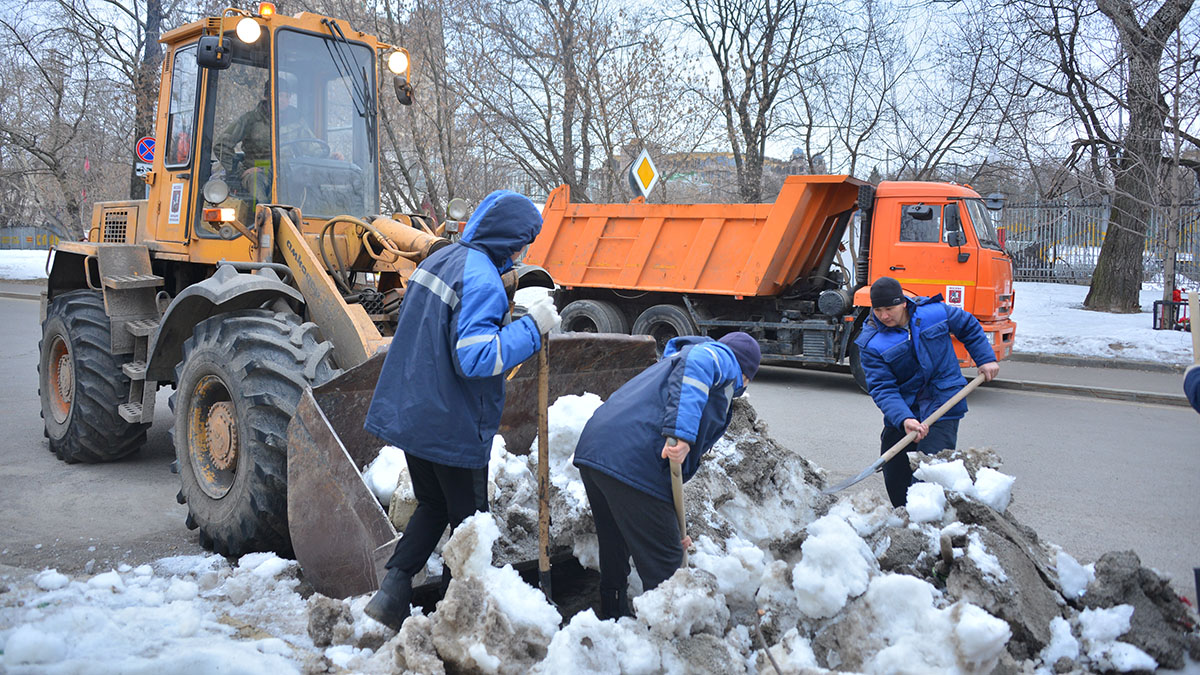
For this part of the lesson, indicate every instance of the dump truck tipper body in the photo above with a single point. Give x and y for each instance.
(782, 272)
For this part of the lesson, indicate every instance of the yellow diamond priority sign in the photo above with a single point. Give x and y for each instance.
(643, 175)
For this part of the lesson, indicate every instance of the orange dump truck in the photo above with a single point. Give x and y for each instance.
(780, 271)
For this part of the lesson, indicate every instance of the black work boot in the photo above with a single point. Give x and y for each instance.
(614, 604)
(390, 604)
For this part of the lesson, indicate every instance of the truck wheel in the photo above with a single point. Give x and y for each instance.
(81, 384)
(594, 316)
(664, 322)
(237, 387)
(856, 367)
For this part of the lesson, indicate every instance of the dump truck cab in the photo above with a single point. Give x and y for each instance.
(941, 238)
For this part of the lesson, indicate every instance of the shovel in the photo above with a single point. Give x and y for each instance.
(677, 495)
(908, 438)
(1193, 314)
(544, 467)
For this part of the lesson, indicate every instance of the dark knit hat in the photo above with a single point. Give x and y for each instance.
(886, 292)
(746, 349)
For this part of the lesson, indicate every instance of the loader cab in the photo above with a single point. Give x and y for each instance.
(299, 132)
(289, 117)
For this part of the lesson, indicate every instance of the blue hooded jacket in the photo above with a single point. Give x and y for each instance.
(687, 395)
(912, 377)
(441, 390)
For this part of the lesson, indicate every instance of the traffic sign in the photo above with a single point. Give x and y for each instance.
(643, 175)
(141, 168)
(145, 148)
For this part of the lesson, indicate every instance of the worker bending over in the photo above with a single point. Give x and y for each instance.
(441, 390)
(675, 410)
(911, 370)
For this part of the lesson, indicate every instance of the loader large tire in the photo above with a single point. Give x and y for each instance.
(237, 387)
(80, 383)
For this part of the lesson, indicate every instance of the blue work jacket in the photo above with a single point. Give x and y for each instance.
(441, 390)
(910, 373)
(686, 395)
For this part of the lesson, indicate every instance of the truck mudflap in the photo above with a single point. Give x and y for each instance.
(340, 534)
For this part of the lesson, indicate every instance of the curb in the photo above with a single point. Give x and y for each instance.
(1097, 362)
(1094, 392)
(20, 296)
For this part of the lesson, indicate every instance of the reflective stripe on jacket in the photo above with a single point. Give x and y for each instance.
(441, 390)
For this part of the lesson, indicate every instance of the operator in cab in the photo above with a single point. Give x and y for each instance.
(251, 133)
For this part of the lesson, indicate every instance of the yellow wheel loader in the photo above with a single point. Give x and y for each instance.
(259, 280)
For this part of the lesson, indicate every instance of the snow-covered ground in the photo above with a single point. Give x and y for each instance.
(22, 264)
(1051, 320)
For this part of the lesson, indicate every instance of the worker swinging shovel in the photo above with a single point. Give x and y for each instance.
(908, 438)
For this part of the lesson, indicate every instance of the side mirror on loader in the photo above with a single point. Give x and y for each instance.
(404, 90)
(214, 52)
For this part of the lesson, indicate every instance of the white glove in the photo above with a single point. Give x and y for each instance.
(544, 314)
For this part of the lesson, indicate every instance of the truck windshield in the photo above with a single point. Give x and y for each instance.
(325, 100)
(985, 226)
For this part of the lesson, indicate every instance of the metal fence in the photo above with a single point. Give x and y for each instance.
(26, 237)
(1061, 242)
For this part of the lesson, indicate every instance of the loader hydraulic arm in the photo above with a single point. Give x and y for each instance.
(355, 338)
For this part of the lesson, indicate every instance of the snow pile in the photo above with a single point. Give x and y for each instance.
(781, 574)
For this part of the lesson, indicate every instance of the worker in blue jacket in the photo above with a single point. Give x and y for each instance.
(441, 390)
(675, 411)
(911, 370)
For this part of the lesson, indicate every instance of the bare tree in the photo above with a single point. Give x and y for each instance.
(125, 33)
(1118, 276)
(49, 124)
(1107, 67)
(758, 48)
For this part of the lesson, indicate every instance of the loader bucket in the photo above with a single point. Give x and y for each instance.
(340, 533)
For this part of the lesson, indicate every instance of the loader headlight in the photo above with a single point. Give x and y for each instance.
(248, 30)
(216, 191)
(398, 62)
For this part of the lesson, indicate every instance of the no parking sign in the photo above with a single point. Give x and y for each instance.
(145, 149)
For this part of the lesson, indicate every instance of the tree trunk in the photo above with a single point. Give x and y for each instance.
(1117, 280)
(146, 91)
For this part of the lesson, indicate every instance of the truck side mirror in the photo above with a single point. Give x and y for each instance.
(214, 52)
(954, 233)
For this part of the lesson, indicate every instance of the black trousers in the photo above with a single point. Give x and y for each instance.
(897, 474)
(446, 495)
(631, 522)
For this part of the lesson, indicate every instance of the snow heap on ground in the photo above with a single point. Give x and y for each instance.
(783, 579)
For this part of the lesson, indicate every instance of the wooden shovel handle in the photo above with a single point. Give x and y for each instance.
(1193, 315)
(543, 451)
(677, 495)
(933, 417)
